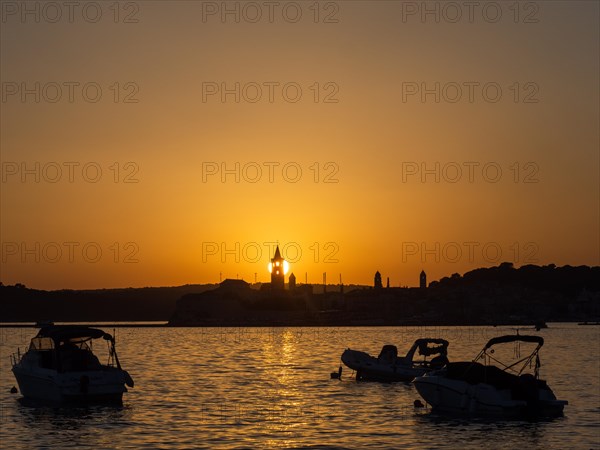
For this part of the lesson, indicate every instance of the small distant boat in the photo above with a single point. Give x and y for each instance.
(59, 366)
(540, 324)
(388, 366)
(474, 388)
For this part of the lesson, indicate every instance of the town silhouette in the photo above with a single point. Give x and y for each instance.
(486, 296)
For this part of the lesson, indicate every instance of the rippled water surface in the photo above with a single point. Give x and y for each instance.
(270, 387)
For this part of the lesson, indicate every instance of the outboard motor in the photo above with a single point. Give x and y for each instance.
(128, 379)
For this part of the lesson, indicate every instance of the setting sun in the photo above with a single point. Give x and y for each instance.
(275, 266)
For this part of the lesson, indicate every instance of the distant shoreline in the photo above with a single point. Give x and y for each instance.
(89, 324)
(295, 325)
(527, 296)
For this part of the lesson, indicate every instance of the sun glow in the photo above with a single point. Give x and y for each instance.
(286, 266)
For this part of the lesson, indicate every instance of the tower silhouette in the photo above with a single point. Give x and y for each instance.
(377, 281)
(423, 280)
(292, 282)
(277, 275)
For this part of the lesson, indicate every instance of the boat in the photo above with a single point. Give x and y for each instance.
(388, 366)
(59, 366)
(476, 388)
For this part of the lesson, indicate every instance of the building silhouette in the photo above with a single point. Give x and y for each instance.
(292, 282)
(277, 275)
(423, 280)
(377, 281)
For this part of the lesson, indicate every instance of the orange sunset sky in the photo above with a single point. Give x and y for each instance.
(359, 135)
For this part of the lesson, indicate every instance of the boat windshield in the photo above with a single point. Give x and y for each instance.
(80, 343)
(41, 343)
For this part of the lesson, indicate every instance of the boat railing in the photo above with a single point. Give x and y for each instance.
(15, 358)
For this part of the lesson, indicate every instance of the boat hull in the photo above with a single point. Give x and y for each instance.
(459, 397)
(369, 368)
(104, 386)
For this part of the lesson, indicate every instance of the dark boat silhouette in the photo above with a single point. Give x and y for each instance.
(388, 366)
(59, 366)
(470, 387)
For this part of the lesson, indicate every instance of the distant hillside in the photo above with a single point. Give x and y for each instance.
(20, 304)
(566, 280)
(505, 294)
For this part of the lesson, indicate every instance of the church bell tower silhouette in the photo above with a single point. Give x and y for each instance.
(277, 272)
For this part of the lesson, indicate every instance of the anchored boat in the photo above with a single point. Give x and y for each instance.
(388, 366)
(59, 366)
(486, 389)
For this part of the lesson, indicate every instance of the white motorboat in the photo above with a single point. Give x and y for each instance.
(484, 389)
(59, 366)
(388, 366)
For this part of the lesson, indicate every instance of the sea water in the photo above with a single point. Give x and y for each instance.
(271, 388)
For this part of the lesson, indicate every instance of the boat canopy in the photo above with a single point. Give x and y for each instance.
(514, 338)
(61, 333)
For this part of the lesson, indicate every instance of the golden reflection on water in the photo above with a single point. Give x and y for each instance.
(270, 387)
(287, 406)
